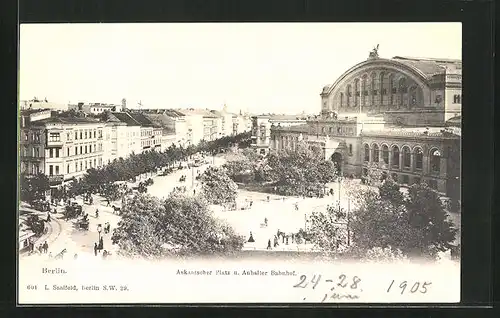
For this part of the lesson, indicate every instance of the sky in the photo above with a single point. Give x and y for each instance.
(254, 67)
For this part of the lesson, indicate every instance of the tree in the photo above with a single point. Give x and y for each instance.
(33, 187)
(217, 187)
(302, 171)
(178, 225)
(328, 229)
(416, 225)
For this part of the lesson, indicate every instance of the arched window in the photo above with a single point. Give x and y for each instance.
(385, 154)
(419, 158)
(349, 95)
(403, 89)
(330, 130)
(323, 130)
(367, 153)
(382, 88)
(406, 157)
(341, 99)
(413, 96)
(395, 157)
(373, 87)
(435, 159)
(375, 153)
(364, 90)
(356, 92)
(392, 89)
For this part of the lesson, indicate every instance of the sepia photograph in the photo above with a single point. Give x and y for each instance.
(239, 163)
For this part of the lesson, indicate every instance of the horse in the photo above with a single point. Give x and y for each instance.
(116, 209)
(60, 255)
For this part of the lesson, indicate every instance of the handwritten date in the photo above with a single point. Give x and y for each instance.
(420, 287)
(343, 281)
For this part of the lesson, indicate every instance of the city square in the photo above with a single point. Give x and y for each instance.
(105, 177)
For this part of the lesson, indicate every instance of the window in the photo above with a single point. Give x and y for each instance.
(68, 136)
(76, 151)
(26, 137)
(323, 130)
(81, 166)
(416, 180)
(419, 158)
(406, 179)
(54, 137)
(81, 149)
(367, 153)
(76, 135)
(395, 157)
(406, 157)
(57, 153)
(330, 130)
(95, 134)
(76, 166)
(383, 91)
(375, 92)
(385, 154)
(81, 134)
(435, 160)
(86, 134)
(456, 99)
(365, 93)
(375, 153)
(67, 152)
(51, 153)
(85, 164)
(350, 149)
(341, 99)
(51, 170)
(37, 152)
(86, 149)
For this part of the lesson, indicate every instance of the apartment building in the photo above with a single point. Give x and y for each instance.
(61, 148)
(124, 135)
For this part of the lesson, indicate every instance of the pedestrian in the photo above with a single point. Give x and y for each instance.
(48, 216)
(251, 239)
(107, 200)
(75, 256)
(40, 248)
(265, 221)
(194, 192)
(293, 238)
(287, 239)
(97, 213)
(105, 254)
(251, 203)
(50, 255)
(269, 244)
(275, 241)
(283, 238)
(95, 249)
(101, 243)
(45, 247)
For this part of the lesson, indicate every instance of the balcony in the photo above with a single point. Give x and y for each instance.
(55, 143)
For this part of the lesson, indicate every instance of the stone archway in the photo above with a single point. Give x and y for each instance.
(337, 161)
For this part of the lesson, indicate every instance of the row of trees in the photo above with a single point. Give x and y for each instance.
(412, 224)
(179, 225)
(300, 172)
(33, 188)
(101, 179)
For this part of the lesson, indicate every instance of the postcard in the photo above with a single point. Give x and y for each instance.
(273, 163)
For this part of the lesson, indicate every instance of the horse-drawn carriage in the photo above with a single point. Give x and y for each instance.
(83, 224)
(72, 211)
(41, 205)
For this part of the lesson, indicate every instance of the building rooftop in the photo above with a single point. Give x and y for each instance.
(198, 111)
(296, 128)
(429, 66)
(69, 120)
(124, 118)
(142, 120)
(282, 117)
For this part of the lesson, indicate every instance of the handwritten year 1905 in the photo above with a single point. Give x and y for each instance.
(342, 281)
(420, 287)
